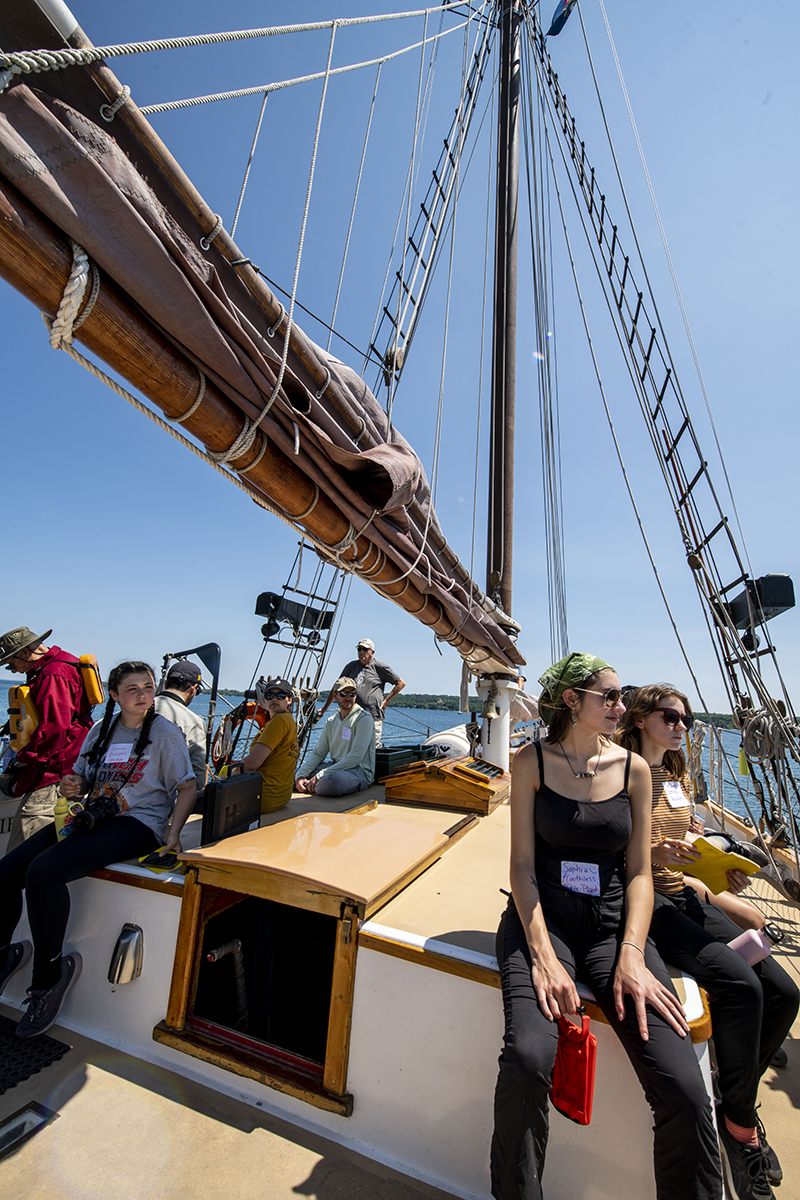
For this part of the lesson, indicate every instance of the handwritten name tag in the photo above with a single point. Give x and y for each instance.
(346, 735)
(581, 877)
(674, 794)
(115, 755)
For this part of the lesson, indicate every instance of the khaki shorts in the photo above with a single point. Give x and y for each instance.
(34, 812)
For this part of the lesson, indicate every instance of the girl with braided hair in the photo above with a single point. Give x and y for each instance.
(137, 763)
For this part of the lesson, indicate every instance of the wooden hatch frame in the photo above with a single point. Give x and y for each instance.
(209, 889)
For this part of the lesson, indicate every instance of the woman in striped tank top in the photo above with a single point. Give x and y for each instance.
(752, 1008)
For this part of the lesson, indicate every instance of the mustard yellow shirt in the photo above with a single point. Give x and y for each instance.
(278, 771)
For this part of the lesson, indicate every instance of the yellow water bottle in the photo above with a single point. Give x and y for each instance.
(61, 813)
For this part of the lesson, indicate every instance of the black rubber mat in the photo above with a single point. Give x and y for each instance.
(22, 1057)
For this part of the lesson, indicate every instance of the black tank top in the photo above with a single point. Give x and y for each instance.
(580, 844)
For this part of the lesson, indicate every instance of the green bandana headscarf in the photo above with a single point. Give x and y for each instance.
(567, 673)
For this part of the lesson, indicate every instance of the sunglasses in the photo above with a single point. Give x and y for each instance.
(671, 716)
(275, 696)
(611, 696)
(347, 693)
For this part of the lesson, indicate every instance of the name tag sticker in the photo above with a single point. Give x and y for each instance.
(346, 735)
(117, 754)
(581, 877)
(674, 793)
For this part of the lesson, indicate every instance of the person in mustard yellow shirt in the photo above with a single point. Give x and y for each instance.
(275, 751)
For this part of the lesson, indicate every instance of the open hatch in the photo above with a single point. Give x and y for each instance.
(264, 970)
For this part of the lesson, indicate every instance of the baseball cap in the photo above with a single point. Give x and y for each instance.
(367, 643)
(184, 674)
(343, 683)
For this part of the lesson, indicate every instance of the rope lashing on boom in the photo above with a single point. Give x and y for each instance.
(201, 395)
(69, 317)
(205, 242)
(109, 111)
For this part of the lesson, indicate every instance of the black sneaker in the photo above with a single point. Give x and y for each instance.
(743, 1167)
(18, 954)
(45, 1005)
(772, 1167)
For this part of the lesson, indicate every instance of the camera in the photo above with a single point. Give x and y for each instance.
(93, 812)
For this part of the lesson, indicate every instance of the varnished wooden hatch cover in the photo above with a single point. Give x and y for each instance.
(359, 857)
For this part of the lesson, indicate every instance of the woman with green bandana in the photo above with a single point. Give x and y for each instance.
(582, 898)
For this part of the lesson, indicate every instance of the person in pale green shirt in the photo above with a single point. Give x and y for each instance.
(346, 747)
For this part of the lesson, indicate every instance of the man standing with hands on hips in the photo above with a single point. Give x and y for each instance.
(370, 678)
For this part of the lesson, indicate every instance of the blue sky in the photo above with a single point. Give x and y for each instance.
(129, 546)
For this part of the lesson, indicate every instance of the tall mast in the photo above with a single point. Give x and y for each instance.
(499, 558)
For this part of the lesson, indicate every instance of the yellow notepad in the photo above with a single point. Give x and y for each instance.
(711, 867)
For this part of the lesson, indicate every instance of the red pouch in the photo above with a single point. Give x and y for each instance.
(573, 1074)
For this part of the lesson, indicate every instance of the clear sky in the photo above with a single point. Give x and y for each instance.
(129, 546)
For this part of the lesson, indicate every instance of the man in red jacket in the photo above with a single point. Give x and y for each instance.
(65, 717)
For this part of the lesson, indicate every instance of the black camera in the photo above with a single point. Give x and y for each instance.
(93, 812)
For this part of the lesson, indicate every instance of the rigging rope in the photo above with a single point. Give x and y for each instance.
(248, 434)
(398, 349)
(249, 164)
(668, 254)
(27, 61)
(353, 209)
(280, 85)
(604, 399)
(541, 240)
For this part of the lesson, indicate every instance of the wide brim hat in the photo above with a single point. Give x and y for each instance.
(19, 639)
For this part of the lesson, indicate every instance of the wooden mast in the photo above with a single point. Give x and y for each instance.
(499, 560)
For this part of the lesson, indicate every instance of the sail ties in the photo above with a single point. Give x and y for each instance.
(109, 111)
(205, 242)
(69, 316)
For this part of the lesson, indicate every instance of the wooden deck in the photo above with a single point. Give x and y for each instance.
(127, 1130)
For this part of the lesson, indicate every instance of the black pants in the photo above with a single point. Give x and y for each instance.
(686, 1156)
(44, 866)
(752, 1008)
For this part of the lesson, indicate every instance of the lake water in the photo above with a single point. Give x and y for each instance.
(413, 725)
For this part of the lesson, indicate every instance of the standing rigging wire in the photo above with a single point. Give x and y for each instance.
(249, 163)
(435, 476)
(397, 347)
(724, 636)
(669, 259)
(585, 320)
(355, 202)
(548, 405)
(441, 192)
(715, 597)
(410, 184)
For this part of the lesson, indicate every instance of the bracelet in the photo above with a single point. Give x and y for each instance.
(639, 948)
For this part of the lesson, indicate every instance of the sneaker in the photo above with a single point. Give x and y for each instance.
(772, 1167)
(44, 1006)
(18, 954)
(743, 1167)
(780, 1059)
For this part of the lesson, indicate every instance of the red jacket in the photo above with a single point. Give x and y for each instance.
(65, 717)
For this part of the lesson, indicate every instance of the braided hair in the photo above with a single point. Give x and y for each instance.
(115, 678)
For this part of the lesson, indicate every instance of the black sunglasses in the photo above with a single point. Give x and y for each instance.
(671, 716)
(275, 696)
(348, 693)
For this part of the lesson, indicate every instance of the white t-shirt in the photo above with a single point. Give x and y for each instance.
(150, 791)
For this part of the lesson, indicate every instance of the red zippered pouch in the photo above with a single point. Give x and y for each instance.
(573, 1074)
